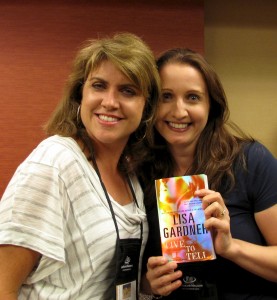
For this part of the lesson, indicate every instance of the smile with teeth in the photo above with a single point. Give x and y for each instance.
(178, 125)
(108, 118)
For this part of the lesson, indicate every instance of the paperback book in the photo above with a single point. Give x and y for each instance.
(184, 237)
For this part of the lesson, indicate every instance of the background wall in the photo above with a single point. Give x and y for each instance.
(38, 40)
(241, 44)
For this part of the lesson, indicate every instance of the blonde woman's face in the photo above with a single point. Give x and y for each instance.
(184, 108)
(111, 107)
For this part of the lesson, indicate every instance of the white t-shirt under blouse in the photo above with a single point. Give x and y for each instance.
(54, 204)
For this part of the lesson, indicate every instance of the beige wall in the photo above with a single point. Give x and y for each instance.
(241, 44)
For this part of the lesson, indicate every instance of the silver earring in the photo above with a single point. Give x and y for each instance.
(78, 117)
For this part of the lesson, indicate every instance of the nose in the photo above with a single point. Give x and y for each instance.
(110, 99)
(179, 109)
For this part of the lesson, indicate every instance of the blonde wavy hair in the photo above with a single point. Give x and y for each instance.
(134, 59)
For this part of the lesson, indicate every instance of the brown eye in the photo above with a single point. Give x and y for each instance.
(166, 96)
(128, 91)
(193, 97)
(98, 85)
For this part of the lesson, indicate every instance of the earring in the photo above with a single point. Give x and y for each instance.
(78, 117)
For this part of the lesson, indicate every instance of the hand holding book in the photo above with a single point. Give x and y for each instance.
(188, 211)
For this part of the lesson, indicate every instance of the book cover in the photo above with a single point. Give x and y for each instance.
(181, 218)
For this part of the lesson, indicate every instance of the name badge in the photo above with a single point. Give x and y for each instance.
(126, 282)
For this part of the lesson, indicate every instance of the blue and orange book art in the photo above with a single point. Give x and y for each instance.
(184, 237)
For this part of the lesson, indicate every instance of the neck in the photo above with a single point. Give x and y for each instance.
(107, 159)
(183, 160)
(114, 180)
(106, 156)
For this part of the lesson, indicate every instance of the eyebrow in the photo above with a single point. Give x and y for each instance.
(127, 84)
(197, 91)
(90, 78)
(192, 91)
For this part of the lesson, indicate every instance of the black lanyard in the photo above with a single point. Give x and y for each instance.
(109, 200)
(133, 244)
(130, 271)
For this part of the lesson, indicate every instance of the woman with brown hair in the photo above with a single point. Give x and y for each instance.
(192, 137)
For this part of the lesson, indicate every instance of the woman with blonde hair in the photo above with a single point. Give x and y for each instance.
(72, 219)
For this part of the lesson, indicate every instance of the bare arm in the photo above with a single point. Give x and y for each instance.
(260, 260)
(16, 263)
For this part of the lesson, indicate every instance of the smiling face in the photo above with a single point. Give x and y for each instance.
(111, 107)
(184, 108)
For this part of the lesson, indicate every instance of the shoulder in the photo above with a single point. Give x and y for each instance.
(261, 175)
(257, 148)
(259, 156)
(54, 151)
(54, 157)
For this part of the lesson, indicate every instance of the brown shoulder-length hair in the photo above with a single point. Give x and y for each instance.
(134, 58)
(221, 142)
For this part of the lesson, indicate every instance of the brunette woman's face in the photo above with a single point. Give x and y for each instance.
(184, 106)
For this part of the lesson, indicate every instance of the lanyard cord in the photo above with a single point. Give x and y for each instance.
(117, 246)
(113, 214)
(135, 199)
(106, 194)
(112, 211)
(109, 200)
(87, 143)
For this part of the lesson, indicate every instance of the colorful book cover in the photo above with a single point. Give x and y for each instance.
(181, 218)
